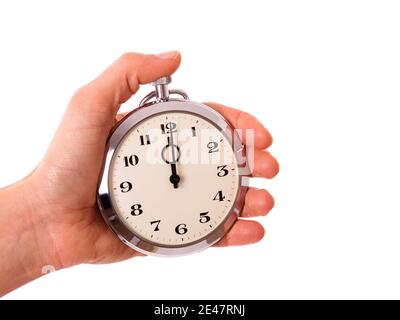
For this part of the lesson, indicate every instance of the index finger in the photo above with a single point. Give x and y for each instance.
(245, 121)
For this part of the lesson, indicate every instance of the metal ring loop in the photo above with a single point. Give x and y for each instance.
(179, 92)
(153, 95)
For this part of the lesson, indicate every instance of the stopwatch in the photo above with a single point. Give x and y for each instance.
(172, 181)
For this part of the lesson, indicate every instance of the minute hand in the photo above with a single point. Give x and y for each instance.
(174, 178)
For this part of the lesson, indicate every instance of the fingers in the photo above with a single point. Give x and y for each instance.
(79, 143)
(243, 232)
(265, 165)
(120, 81)
(258, 202)
(242, 120)
(120, 116)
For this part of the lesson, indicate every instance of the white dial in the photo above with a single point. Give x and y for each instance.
(173, 178)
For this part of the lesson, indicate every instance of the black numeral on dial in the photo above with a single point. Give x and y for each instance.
(157, 223)
(181, 228)
(219, 196)
(204, 218)
(212, 147)
(168, 128)
(144, 140)
(194, 134)
(136, 209)
(125, 186)
(222, 171)
(132, 160)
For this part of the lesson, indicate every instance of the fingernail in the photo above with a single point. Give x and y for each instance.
(168, 55)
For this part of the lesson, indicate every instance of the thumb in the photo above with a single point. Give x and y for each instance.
(100, 99)
(79, 142)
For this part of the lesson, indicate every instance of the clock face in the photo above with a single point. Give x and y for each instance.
(173, 179)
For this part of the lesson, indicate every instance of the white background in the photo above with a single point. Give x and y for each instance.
(323, 76)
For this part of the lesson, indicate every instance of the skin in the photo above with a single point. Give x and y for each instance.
(51, 217)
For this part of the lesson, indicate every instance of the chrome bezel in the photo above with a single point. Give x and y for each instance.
(104, 199)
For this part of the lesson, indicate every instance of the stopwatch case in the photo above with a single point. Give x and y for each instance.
(117, 134)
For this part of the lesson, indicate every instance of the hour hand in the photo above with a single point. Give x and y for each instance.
(174, 154)
(174, 178)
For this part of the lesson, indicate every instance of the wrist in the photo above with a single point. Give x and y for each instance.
(23, 238)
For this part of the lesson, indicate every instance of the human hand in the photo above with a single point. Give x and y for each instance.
(66, 226)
